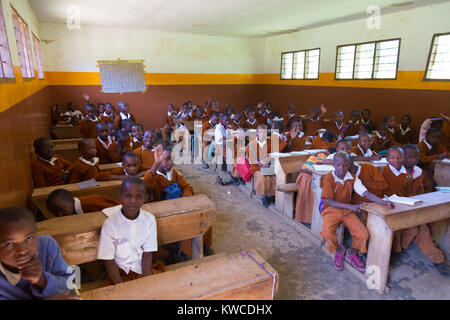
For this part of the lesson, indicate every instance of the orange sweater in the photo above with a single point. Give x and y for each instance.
(95, 203)
(102, 153)
(337, 192)
(46, 175)
(255, 153)
(249, 125)
(157, 184)
(88, 129)
(319, 143)
(146, 157)
(373, 180)
(81, 171)
(312, 126)
(104, 176)
(297, 145)
(426, 155)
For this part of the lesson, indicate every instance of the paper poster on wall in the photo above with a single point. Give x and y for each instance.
(121, 76)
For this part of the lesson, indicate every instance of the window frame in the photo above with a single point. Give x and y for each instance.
(13, 78)
(429, 58)
(374, 58)
(34, 37)
(304, 70)
(32, 66)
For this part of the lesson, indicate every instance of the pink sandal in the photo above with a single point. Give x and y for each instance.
(339, 258)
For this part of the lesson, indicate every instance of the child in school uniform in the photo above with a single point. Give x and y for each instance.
(315, 121)
(103, 142)
(145, 153)
(72, 115)
(423, 233)
(62, 203)
(365, 128)
(137, 133)
(365, 119)
(296, 138)
(130, 168)
(129, 236)
(123, 115)
(337, 189)
(58, 116)
(291, 114)
(85, 167)
(338, 126)
(88, 125)
(112, 131)
(237, 122)
(170, 122)
(198, 115)
(326, 141)
(354, 124)
(363, 149)
(430, 149)
(392, 130)
(262, 114)
(49, 169)
(445, 132)
(406, 134)
(108, 116)
(383, 140)
(100, 109)
(31, 266)
(251, 122)
(120, 147)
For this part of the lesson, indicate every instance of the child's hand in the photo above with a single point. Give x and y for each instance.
(323, 109)
(443, 116)
(357, 208)
(32, 271)
(159, 153)
(64, 296)
(86, 96)
(388, 204)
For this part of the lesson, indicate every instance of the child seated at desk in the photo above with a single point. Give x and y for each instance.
(314, 121)
(251, 122)
(137, 132)
(365, 128)
(62, 203)
(363, 149)
(383, 140)
(87, 166)
(103, 142)
(296, 138)
(123, 115)
(354, 124)
(145, 152)
(112, 131)
(31, 266)
(130, 168)
(120, 147)
(108, 116)
(129, 237)
(326, 141)
(337, 189)
(49, 169)
(405, 133)
(88, 125)
(365, 119)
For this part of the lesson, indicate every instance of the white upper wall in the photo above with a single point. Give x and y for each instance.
(415, 28)
(163, 52)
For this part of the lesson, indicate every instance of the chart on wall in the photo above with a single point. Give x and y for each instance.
(121, 76)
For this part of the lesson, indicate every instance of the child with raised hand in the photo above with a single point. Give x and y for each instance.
(337, 189)
(87, 166)
(129, 236)
(89, 122)
(31, 266)
(49, 169)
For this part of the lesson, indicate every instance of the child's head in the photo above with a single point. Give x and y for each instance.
(341, 163)
(251, 115)
(215, 106)
(225, 120)
(127, 124)
(343, 146)
(170, 107)
(133, 194)
(61, 203)
(354, 116)
(149, 139)
(111, 129)
(44, 148)
(406, 120)
(395, 157)
(123, 107)
(278, 125)
(291, 109)
(314, 113)
(339, 116)
(365, 141)
(89, 109)
(214, 118)
(229, 109)
(198, 112)
(238, 117)
(102, 131)
(269, 106)
(108, 108)
(328, 136)
(101, 108)
(261, 132)
(137, 131)
(123, 135)
(365, 113)
(130, 163)
(433, 136)
(365, 128)
(390, 120)
(87, 149)
(71, 106)
(58, 109)
(18, 236)
(411, 152)
(296, 125)
(382, 129)
(167, 163)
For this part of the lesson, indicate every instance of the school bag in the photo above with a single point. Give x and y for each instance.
(173, 191)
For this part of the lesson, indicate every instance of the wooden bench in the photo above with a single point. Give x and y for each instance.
(67, 148)
(39, 197)
(382, 223)
(240, 276)
(66, 132)
(442, 173)
(177, 220)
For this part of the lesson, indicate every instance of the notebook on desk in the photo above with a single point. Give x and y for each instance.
(404, 200)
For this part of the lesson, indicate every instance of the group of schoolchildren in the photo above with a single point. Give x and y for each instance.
(32, 267)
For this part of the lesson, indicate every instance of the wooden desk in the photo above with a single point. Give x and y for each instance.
(442, 173)
(177, 220)
(110, 166)
(109, 189)
(67, 148)
(66, 132)
(382, 222)
(240, 276)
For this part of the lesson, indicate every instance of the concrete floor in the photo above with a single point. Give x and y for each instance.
(306, 272)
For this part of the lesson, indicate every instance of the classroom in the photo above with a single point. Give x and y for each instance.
(225, 150)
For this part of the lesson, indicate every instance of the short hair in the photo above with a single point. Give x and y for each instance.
(100, 104)
(89, 105)
(278, 125)
(367, 127)
(133, 180)
(315, 110)
(121, 104)
(399, 149)
(39, 142)
(58, 194)
(296, 119)
(355, 112)
(100, 125)
(386, 119)
(15, 214)
(366, 110)
(151, 131)
(123, 133)
(342, 141)
(126, 121)
(339, 112)
(411, 147)
(328, 136)
(408, 116)
(83, 142)
(332, 150)
(365, 135)
(432, 130)
(130, 155)
(383, 125)
(138, 125)
(344, 155)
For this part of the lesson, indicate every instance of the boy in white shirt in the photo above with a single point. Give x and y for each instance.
(128, 237)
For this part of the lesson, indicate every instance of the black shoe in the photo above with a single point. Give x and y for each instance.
(272, 199)
(443, 269)
(204, 165)
(242, 181)
(265, 201)
(207, 251)
(236, 182)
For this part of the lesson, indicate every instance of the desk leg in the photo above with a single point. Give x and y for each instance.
(197, 247)
(379, 252)
(317, 219)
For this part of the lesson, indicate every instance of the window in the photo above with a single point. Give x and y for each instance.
(438, 66)
(6, 67)
(300, 64)
(369, 61)
(23, 46)
(38, 56)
